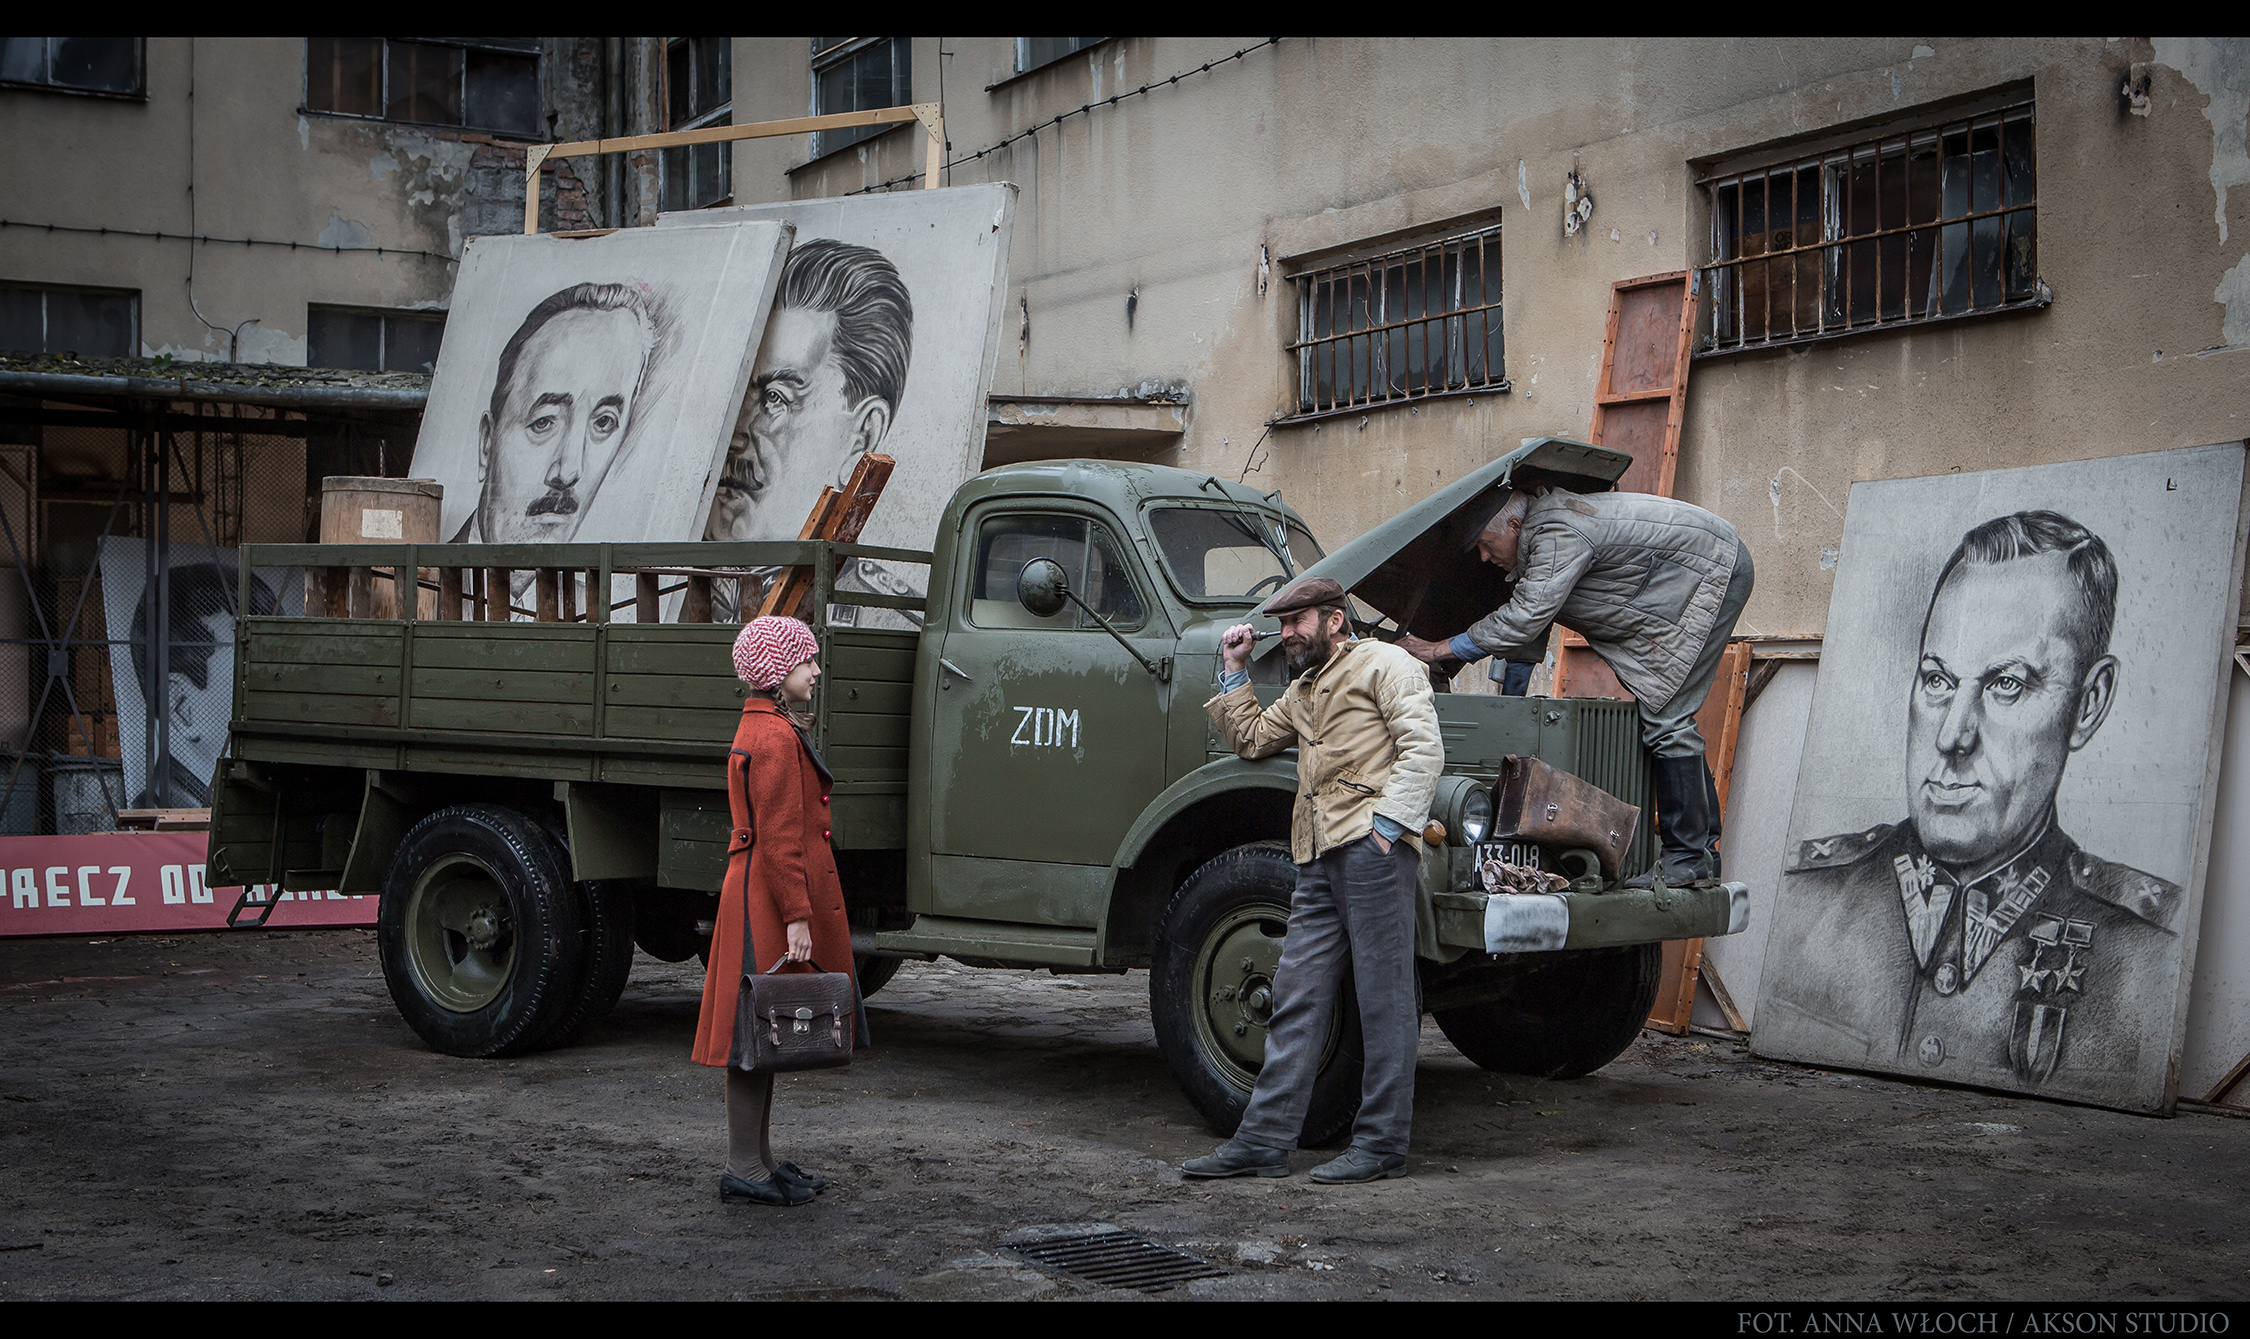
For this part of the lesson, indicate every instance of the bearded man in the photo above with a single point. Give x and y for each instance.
(1364, 723)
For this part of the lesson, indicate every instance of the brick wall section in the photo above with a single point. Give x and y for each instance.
(493, 202)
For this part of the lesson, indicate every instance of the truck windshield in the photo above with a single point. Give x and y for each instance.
(1214, 554)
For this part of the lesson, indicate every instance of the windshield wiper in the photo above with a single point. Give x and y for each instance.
(1279, 550)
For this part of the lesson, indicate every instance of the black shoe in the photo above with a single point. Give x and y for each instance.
(790, 1171)
(1359, 1164)
(1237, 1158)
(776, 1191)
(1687, 824)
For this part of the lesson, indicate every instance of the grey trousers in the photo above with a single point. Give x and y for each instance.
(1669, 731)
(1353, 907)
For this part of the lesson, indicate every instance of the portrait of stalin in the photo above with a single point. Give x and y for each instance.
(1975, 940)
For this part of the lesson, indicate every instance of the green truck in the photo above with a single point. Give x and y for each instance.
(1024, 773)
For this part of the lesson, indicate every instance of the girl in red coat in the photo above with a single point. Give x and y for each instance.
(781, 882)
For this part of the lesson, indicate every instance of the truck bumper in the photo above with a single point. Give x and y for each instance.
(1545, 923)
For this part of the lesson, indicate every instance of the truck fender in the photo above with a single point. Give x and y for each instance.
(1141, 877)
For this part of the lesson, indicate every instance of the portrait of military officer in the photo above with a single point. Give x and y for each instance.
(1974, 939)
(825, 390)
(562, 404)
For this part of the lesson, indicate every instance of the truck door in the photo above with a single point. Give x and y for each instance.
(1048, 738)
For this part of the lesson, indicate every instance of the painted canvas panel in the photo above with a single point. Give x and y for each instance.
(884, 331)
(1995, 858)
(197, 612)
(588, 386)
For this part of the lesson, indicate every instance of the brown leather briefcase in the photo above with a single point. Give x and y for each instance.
(797, 1020)
(1548, 806)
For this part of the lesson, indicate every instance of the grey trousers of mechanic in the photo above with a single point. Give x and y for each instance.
(1669, 731)
(1353, 908)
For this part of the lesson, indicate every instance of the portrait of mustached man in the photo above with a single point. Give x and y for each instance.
(825, 390)
(1975, 940)
(562, 406)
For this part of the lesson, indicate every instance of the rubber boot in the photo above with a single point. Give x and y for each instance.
(1687, 824)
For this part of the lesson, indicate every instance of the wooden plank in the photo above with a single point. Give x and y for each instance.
(850, 729)
(707, 659)
(675, 690)
(1720, 721)
(882, 664)
(350, 680)
(836, 518)
(513, 685)
(869, 695)
(672, 723)
(489, 716)
(790, 587)
(509, 653)
(325, 707)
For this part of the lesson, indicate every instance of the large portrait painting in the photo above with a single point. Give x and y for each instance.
(883, 335)
(177, 638)
(2002, 817)
(588, 386)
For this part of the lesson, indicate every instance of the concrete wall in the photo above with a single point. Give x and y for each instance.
(221, 149)
(1199, 198)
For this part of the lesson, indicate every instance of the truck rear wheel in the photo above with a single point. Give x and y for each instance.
(874, 971)
(1211, 993)
(1567, 1015)
(479, 932)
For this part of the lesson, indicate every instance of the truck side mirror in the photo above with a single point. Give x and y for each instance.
(1043, 587)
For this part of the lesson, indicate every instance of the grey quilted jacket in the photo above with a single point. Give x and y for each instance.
(1640, 577)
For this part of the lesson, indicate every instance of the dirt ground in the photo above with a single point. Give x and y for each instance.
(244, 1116)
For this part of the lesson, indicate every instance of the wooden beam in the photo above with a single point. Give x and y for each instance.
(930, 114)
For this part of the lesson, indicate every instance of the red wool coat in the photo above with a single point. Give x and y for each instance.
(778, 788)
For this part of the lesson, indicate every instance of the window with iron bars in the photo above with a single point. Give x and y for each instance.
(1921, 225)
(1406, 325)
(699, 92)
(483, 83)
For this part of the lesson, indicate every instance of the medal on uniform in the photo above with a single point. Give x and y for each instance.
(1985, 925)
(1926, 897)
(2043, 994)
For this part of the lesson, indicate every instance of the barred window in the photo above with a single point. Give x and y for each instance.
(1926, 224)
(858, 74)
(1406, 325)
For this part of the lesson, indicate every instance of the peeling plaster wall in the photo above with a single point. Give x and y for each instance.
(1199, 196)
(222, 149)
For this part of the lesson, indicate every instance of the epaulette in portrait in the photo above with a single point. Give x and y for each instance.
(1843, 849)
(2152, 899)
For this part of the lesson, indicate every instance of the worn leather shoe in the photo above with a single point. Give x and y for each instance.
(1237, 1158)
(1359, 1164)
(777, 1191)
(790, 1171)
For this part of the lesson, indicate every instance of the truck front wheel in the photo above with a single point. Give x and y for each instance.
(1565, 1015)
(479, 932)
(1211, 993)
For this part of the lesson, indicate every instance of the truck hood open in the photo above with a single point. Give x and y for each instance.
(1415, 568)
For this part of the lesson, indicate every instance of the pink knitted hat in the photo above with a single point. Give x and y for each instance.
(769, 648)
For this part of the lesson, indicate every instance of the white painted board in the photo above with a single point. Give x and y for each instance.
(1757, 822)
(2218, 1025)
(1996, 852)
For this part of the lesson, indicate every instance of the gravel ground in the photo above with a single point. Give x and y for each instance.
(244, 1116)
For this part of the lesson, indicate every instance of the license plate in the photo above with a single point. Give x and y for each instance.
(1510, 853)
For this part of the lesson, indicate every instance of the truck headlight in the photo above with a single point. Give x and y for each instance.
(1476, 815)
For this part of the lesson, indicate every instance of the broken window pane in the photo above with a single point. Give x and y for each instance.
(1421, 321)
(425, 83)
(344, 75)
(1940, 221)
(502, 93)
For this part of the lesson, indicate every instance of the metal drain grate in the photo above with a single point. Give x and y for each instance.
(1116, 1259)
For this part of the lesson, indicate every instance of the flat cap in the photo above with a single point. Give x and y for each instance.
(1477, 515)
(1303, 593)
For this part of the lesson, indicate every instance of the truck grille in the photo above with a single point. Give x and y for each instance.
(1610, 756)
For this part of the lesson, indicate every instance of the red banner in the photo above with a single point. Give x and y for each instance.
(123, 882)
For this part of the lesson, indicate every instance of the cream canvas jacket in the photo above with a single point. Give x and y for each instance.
(1366, 733)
